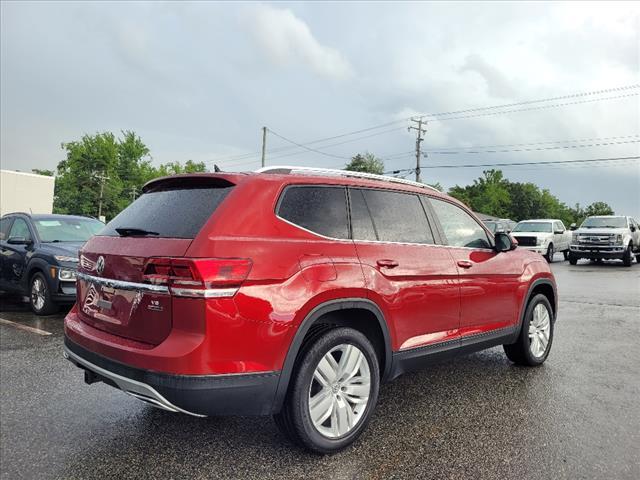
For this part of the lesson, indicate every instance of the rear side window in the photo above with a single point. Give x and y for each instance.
(395, 216)
(173, 213)
(322, 210)
(460, 229)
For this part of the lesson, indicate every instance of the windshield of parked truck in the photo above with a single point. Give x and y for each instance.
(544, 227)
(63, 229)
(604, 222)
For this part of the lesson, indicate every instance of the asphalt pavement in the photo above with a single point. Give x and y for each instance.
(577, 416)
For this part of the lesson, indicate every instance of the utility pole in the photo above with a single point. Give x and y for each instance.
(419, 132)
(102, 179)
(264, 143)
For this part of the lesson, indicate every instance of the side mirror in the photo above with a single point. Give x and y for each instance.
(504, 243)
(573, 226)
(19, 241)
(633, 228)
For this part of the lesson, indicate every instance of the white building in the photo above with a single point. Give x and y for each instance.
(25, 192)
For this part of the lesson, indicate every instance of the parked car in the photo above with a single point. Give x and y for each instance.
(40, 257)
(545, 237)
(295, 292)
(606, 237)
(501, 225)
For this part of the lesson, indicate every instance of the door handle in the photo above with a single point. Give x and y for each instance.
(386, 263)
(465, 264)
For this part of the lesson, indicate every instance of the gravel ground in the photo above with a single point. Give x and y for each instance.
(578, 416)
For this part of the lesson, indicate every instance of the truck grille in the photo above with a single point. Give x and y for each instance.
(595, 239)
(526, 241)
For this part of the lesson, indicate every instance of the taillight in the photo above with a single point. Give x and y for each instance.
(198, 277)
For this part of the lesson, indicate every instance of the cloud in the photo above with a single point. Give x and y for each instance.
(497, 84)
(287, 39)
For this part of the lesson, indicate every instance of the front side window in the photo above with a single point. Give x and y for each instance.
(19, 229)
(320, 209)
(395, 216)
(460, 229)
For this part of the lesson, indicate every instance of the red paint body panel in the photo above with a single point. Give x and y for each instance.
(425, 299)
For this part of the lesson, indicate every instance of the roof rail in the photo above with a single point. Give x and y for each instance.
(283, 169)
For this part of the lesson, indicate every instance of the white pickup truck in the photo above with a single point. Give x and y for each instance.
(545, 236)
(606, 237)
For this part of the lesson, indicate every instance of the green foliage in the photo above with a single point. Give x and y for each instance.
(494, 195)
(367, 163)
(46, 173)
(125, 161)
(598, 208)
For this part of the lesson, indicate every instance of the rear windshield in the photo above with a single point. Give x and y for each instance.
(173, 213)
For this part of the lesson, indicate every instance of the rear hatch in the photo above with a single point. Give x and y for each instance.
(115, 292)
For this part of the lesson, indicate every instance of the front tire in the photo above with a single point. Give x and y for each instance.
(573, 260)
(536, 336)
(550, 252)
(332, 392)
(40, 296)
(628, 255)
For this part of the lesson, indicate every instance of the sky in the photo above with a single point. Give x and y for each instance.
(199, 81)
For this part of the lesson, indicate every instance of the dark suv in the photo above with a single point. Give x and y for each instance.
(295, 292)
(39, 257)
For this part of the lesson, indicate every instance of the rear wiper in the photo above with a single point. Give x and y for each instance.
(132, 231)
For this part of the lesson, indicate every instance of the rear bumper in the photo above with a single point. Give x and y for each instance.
(199, 395)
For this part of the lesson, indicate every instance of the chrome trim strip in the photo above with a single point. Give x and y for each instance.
(123, 285)
(285, 169)
(207, 293)
(129, 386)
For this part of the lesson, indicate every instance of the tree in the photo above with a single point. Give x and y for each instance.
(46, 173)
(598, 208)
(126, 164)
(367, 163)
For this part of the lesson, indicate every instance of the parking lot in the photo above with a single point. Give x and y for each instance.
(578, 416)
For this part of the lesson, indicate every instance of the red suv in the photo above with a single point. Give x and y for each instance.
(295, 292)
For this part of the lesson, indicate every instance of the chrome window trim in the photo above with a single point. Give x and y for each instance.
(123, 285)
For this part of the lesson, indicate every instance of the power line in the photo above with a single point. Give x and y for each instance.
(536, 149)
(551, 162)
(456, 112)
(307, 148)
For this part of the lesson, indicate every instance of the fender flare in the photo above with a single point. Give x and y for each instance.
(534, 284)
(303, 328)
(36, 264)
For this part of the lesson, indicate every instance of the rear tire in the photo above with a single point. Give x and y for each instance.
(565, 254)
(626, 258)
(328, 404)
(550, 252)
(40, 296)
(536, 335)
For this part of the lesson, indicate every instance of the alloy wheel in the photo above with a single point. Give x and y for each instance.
(539, 330)
(339, 391)
(38, 293)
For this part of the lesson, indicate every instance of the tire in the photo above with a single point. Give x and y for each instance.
(329, 435)
(40, 296)
(566, 255)
(524, 351)
(550, 252)
(573, 260)
(628, 255)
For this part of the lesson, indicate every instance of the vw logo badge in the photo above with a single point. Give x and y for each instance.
(100, 265)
